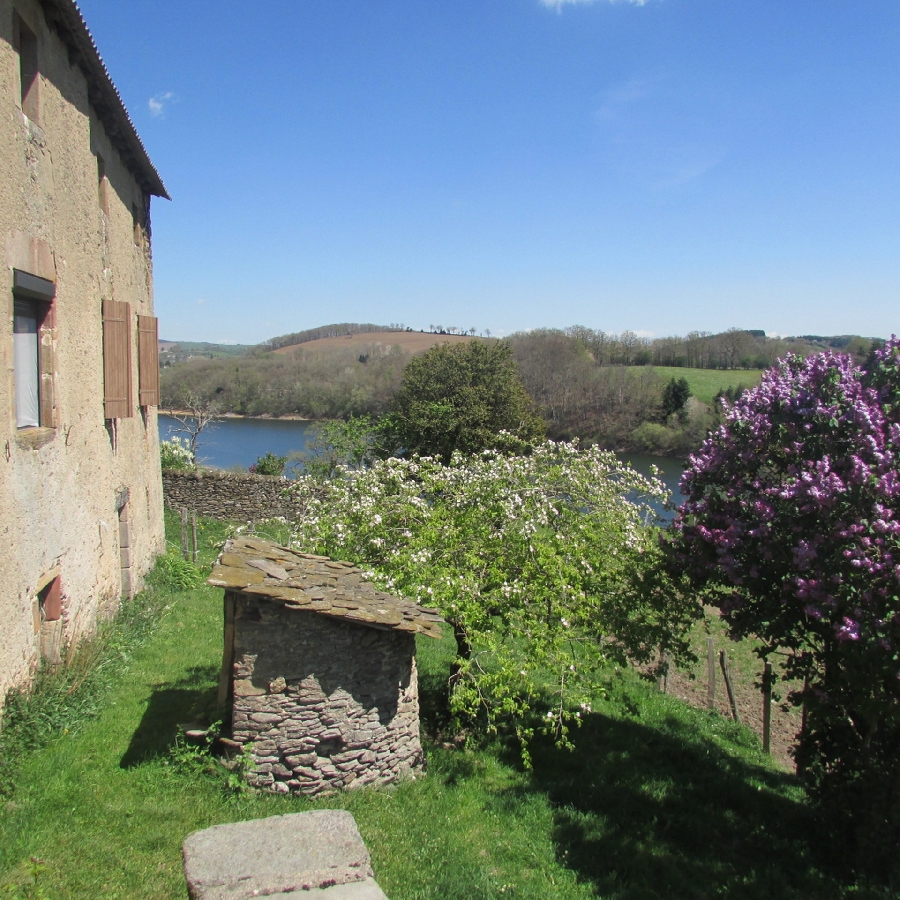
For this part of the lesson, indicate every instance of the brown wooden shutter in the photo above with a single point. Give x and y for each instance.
(117, 359)
(148, 361)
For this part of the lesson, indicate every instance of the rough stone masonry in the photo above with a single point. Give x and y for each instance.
(320, 670)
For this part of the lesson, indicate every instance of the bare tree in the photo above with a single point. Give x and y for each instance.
(194, 414)
(732, 344)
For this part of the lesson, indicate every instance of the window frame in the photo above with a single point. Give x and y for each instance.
(39, 295)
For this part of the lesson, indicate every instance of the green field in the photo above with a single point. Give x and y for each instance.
(706, 383)
(658, 799)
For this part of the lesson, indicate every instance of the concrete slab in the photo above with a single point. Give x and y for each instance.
(318, 854)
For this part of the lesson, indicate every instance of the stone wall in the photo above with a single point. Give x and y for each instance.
(325, 703)
(229, 495)
(80, 494)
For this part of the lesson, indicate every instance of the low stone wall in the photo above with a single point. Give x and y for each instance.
(229, 495)
(324, 702)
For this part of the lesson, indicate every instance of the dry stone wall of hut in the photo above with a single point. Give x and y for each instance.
(319, 668)
(326, 704)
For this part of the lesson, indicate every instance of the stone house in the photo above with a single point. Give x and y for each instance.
(318, 669)
(80, 489)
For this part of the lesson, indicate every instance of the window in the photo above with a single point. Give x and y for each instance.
(117, 359)
(29, 72)
(32, 366)
(26, 363)
(148, 361)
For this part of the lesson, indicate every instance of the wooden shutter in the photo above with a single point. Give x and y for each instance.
(148, 361)
(117, 359)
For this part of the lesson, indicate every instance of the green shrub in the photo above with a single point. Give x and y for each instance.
(175, 573)
(270, 464)
(175, 453)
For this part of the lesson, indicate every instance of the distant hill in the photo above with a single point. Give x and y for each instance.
(379, 342)
(339, 329)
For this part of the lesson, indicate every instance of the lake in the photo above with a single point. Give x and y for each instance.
(238, 443)
(234, 442)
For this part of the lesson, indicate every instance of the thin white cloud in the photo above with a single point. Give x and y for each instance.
(559, 4)
(679, 166)
(621, 96)
(158, 104)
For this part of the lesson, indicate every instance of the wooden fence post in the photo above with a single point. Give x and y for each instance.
(726, 672)
(662, 682)
(767, 707)
(710, 673)
(184, 533)
(194, 554)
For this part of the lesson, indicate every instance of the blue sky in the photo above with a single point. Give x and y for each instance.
(660, 166)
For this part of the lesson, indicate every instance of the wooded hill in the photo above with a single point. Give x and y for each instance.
(586, 383)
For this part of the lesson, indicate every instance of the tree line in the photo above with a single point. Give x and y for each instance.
(344, 382)
(584, 382)
(736, 348)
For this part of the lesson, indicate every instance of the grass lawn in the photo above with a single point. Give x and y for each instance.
(706, 383)
(659, 800)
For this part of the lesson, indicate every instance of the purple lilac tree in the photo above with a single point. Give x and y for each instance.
(792, 521)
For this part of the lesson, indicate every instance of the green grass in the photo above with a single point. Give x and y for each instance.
(706, 383)
(659, 800)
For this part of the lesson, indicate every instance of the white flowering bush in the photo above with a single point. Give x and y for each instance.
(175, 453)
(545, 566)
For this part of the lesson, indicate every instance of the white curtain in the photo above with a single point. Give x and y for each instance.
(25, 351)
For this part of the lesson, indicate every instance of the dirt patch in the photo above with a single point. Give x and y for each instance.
(785, 724)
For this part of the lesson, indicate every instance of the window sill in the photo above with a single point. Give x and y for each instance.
(35, 437)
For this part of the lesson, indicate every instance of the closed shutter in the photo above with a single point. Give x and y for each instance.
(117, 359)
(148, 361)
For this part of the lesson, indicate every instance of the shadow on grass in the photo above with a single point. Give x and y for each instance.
(645, 812)
(188, 699)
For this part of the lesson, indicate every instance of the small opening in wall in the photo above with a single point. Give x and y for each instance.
(28, 69)
(137, 230)
(50, 600)
(102, 185)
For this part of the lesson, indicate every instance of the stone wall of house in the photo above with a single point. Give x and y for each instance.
(80, 495)
(326, 703)
(229, 495)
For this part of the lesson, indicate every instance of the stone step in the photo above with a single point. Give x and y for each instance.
(317, 854)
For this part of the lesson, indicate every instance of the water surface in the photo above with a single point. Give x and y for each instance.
(234, 443)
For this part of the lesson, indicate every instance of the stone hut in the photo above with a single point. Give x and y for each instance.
(319, 670)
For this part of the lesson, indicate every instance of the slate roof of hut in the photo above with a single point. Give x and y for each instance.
(304, 581)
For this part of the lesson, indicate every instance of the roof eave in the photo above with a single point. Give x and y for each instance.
(102, 93)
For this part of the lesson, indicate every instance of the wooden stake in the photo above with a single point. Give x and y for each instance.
(225, 673)
(662, 682)
(767, 707)
(726, 672)
(710, 673)
(184, 534)
(194, 537)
